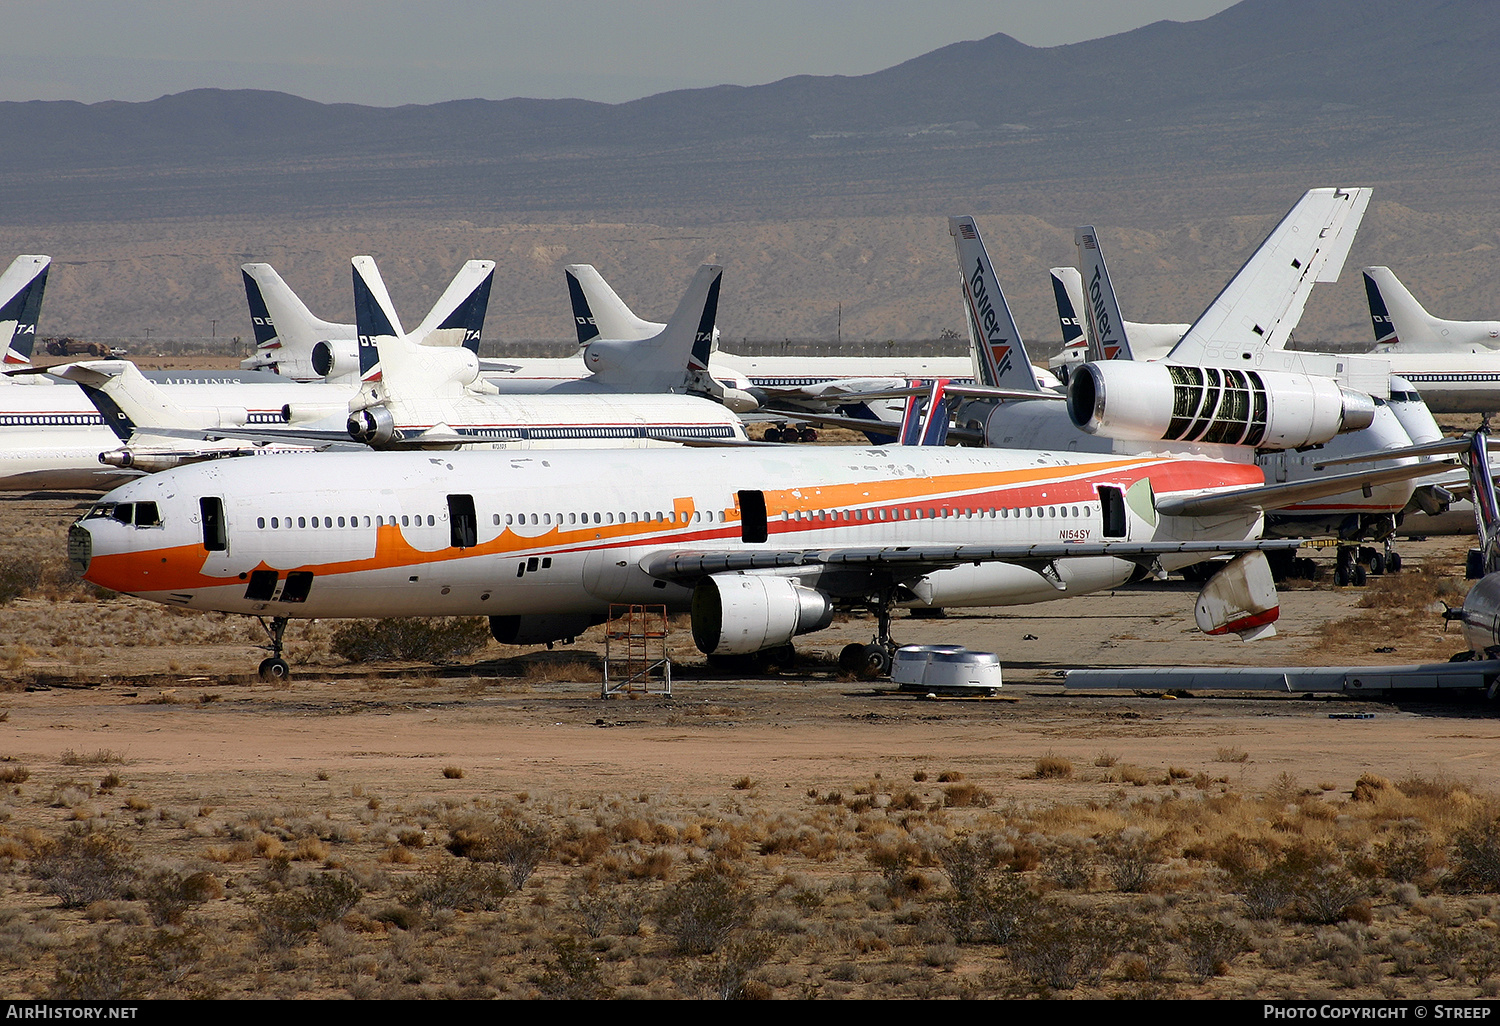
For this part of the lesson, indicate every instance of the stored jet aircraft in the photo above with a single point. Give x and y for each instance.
(1456, 364)
(1148, 341)
(760, 544)
(21, 288)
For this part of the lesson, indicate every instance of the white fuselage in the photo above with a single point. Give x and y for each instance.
(475, 533)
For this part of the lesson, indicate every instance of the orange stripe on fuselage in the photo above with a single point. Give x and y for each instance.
(180, 568)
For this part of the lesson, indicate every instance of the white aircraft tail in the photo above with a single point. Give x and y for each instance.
(1402, 322)
(392, 365)
(1263, 302)
(131, 404)
(457, 318)
(598, 312)
(664, 361)
(285, 329)
(1106, 334)
(21, 288)
(1067, 293)
(995, 345)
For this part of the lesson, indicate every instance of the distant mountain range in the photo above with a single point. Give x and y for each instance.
(1231, 115)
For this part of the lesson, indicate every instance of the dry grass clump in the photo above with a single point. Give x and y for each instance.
(453, 772)
(1052, 767)
(101, 757)
(1229, 753)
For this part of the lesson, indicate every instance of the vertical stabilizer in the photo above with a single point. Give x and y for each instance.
(925, 421)
(1101, 309)
(374, 316)
(999, 355)
(1067, 293)
(599, 313)
(21, 288)
(1263, 302)
(1380, 314)
(665, 361)
(1486, 508)
(457, 318)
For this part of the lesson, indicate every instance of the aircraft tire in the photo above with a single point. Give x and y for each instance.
(877, 662)
(1393, 565)
(852, 659)
(807, 435)
(1341, 576)
(1377, 563)
(275, 670)
(773, 434)
(1360, 577)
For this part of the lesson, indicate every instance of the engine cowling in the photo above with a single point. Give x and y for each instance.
(336, 358)
(1151, 402)
(737, 614)
(374, 426)
(541, 629)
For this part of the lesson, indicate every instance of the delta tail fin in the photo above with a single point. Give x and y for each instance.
(1409, 325)
(1067, 293)
(662, 362)
(995, 344)
(21, 288)
(1380, 314)
(598, 312)
(457, 318)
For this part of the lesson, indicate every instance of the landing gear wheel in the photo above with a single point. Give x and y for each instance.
(807, 435)
(1341, 575)
(775, 660)
(1377, 563)
(1393, 563)
(852, 659)
(274, 670)
(1360, 576)
(877, 662)
(773, 434)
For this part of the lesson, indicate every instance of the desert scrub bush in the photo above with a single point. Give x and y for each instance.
(1476, 855)
(965, 795)
(417, 639)
(325, 899)
(703, 911)
(19, 575)
(463, 887)
(574, 974)
(85, 866)
(1132, 858)
(1210, 945)
(1059, 947)
(14, 773)
(985, 902)
(512, 840)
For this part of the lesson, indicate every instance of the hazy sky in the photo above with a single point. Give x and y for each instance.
(389, 52)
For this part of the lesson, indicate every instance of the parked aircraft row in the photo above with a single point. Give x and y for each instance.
(763, 544)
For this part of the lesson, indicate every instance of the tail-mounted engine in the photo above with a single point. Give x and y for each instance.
(1214, 405)
(336, 358)
(374, 426)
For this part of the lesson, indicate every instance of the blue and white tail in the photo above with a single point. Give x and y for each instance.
(598, 312)
(21, 288)
(1401, 321)
(665, 361)
(995, 345)
(457, 318)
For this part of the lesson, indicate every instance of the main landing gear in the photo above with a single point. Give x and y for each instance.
(275, 668)
(871, 661)
(1350, 567)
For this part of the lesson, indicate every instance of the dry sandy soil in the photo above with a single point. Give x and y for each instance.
(141, 730)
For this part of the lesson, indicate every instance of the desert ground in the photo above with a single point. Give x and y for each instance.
(173, 827)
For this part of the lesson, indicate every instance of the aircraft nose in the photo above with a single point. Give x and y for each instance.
(80, 548)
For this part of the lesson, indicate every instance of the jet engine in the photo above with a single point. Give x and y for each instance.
(1225, 406)
(736, 614)
(1480, 615)
(373, 426)
(336, 358)
(542, 628)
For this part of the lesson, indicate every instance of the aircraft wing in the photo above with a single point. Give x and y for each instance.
(910, 560)
(1279, 496)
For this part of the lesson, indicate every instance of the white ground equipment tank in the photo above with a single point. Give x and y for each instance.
(946, 670)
